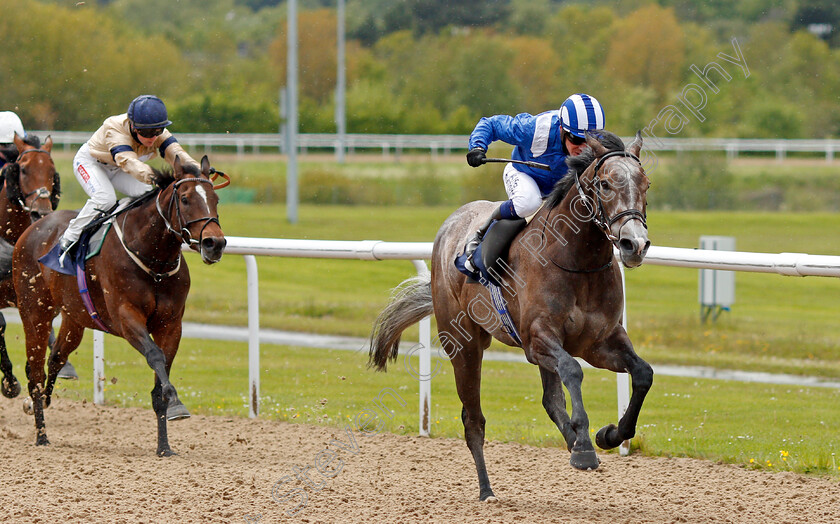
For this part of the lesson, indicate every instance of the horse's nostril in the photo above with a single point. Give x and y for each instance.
(625, 244)
(208, 243)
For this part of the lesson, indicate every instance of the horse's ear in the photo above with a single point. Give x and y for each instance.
(19, 142)
(205, 166)
(48, 144)
(636, 145)
(179, 170)
(595, 144)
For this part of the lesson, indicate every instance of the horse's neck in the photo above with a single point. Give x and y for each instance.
(13, 219)
(146, 233)
(571, 236)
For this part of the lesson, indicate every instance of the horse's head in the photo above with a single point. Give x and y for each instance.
(32, 183)
(619, 187)
(191, 213)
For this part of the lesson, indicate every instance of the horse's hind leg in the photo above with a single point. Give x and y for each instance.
(554, 402)
(10, 385)
(617, 355)
(69, 338)
(37, 335)
(467, 367)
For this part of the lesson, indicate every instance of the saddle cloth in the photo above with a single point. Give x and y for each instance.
(88, 246)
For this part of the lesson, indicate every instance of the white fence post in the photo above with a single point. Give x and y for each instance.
(622, 380)
(98, 367)
(253, 336)
(425, 365)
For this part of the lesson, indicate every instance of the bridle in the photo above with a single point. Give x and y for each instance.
(184, 233)
(41, 192)
(599, 215)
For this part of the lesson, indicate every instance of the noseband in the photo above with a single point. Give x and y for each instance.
(599, 215)
(184, 233)
(41, 192)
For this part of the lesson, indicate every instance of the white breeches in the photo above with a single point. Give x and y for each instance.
(101, 182)
(522, 191)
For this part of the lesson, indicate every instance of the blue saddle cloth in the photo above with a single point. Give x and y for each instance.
(487, 280)
(74, 259)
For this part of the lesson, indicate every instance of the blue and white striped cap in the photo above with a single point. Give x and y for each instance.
(581, 113)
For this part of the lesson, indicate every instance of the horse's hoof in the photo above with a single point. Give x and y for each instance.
(607, 437)
(68, 372)
(10, 388)
(166, 453)
(491, 499)
(41, 440)
(177, 412)
(584, 460)
(488, 497)
(27, 406)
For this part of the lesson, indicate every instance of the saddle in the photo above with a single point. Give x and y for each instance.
(90, 241)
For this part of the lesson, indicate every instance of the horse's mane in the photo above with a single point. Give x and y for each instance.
(32, 140)
(578, 164)
(163, 177)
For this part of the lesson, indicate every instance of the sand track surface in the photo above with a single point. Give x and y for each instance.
(101, 467)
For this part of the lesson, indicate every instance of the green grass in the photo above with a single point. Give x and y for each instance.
(761, 426)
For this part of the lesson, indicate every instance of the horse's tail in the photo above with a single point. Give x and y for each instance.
(411, 301)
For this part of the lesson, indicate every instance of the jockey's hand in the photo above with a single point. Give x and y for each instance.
(476, 157)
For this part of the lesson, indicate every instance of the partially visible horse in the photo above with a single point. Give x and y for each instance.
(138, 285)
(563, 292)
(31, 190)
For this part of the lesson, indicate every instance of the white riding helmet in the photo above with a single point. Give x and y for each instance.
(9, 125)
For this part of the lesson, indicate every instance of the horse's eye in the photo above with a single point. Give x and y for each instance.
(185, 200)
(604, 185)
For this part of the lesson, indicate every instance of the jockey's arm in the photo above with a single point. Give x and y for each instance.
(129, 162)
(169, 149)
(518, 130)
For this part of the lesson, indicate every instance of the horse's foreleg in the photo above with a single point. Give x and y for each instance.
(164, 397)
(10, 385)
(617, 355)
(552, 358)
(159, 404)
(554, 402)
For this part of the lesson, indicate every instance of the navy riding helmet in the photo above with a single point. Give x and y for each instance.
(148, 112)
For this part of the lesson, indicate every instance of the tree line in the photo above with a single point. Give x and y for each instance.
(422, 66)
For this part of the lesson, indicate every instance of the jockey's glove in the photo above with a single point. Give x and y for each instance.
(476, 157)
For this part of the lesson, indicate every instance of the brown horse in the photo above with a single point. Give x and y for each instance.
(563, 292)
(138, 285)
(31, 190)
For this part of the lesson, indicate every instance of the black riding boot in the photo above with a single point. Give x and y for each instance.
(473, 243)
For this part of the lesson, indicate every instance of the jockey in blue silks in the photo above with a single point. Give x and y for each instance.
(548, 138)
